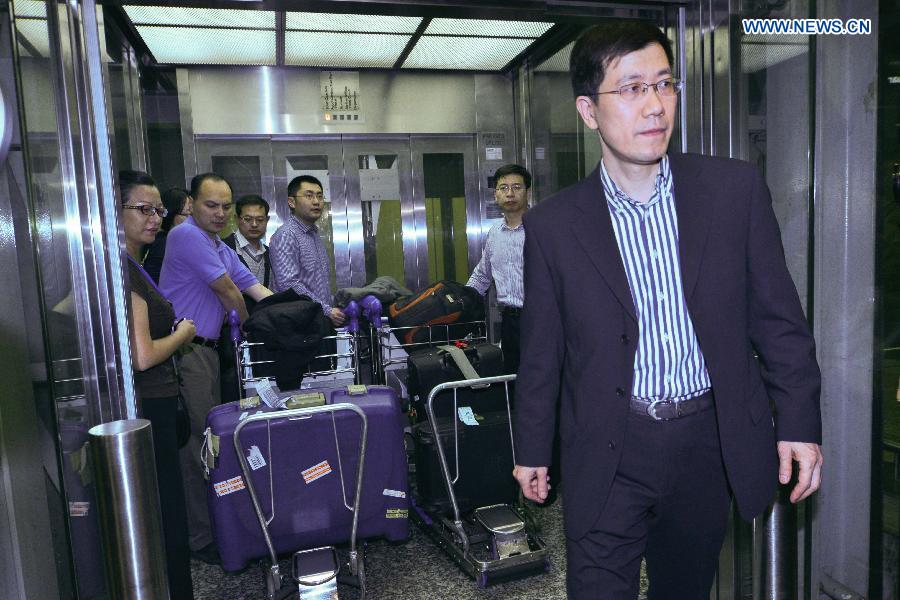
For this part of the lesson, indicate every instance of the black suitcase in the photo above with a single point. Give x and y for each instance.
(437, 314)
(485, 464)
(428, 368)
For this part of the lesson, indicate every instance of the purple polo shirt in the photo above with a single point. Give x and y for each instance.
(192, 262)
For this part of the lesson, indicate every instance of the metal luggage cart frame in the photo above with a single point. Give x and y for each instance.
(385, 353)
(245, 363)
(531, 555)
(274, 580)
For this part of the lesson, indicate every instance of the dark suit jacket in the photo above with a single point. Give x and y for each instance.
(580, 333)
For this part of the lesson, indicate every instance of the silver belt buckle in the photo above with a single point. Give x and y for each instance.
(651, 410)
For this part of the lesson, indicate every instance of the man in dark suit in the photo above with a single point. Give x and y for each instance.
(252, 214)
(661, 315)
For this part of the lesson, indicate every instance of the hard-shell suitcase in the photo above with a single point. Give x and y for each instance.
(304, 473)
(428, 368)
(444, 303)
(478, 456)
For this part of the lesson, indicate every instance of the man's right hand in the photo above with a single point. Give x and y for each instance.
(337, 316)
(534, 482)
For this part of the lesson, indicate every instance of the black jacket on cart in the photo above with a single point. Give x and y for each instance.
(291, 327)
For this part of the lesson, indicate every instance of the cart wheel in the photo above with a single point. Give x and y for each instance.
(273, 583)
(482, 580)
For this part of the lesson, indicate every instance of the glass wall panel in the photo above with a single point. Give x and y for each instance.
(379, 184)
(445, 217)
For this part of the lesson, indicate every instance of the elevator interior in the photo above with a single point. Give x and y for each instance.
(404, 113)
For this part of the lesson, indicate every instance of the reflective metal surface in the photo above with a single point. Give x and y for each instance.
(128, 503)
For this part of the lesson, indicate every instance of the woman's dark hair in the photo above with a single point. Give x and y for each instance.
(173, 199)
(601, 44)
(128, 180)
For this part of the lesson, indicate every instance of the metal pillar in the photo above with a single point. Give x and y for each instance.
(128, 504)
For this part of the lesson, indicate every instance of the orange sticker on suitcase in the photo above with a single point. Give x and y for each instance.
(316, 471)
(229, 486)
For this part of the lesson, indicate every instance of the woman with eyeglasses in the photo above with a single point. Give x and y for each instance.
(155, 338)
(177, 202)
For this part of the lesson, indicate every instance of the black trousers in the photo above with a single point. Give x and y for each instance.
(161, 414)
(669, 503)
(509, 338)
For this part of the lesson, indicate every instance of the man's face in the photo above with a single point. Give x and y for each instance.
(252, 222)
(307, 203)
(634, 132)
(211, 206)
(511, 194)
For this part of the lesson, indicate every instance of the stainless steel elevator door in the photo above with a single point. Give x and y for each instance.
(403, 206)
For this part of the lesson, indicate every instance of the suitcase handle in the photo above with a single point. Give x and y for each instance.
(464, 365)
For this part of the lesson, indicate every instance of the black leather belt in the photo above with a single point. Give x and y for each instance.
(666, 410)
(208, 342)
(513, 311)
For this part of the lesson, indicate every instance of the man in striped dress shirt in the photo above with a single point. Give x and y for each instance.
(299, 259)
(501, 260)
(660, 313)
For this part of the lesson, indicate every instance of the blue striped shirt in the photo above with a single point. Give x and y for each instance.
(300, 262)
(668, 363)
(501, 262)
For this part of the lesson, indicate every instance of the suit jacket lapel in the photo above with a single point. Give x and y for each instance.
(694, 206)
(595, 234)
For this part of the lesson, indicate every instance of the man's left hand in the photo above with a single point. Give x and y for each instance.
(809, 459)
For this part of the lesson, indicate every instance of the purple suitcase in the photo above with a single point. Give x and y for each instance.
(297, 463)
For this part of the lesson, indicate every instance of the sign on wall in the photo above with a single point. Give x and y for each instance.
(340, 97)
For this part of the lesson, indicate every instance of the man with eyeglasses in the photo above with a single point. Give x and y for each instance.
(299, 259)
(501, 259)
(204, 280)
(660, 315)
(252, 214)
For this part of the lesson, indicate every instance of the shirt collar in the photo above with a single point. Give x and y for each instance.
(243, 242)
(617, 197)
(304, 226)
(503, 225)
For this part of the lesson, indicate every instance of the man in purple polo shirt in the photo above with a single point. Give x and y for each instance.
(203, 278)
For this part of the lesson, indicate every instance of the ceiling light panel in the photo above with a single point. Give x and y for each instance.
(30, 8)
(200, 17)
(367, 23)
(558, 62)
(525, 29)
(362, 50)
(34, 33)
(182, 45)
(461, 53)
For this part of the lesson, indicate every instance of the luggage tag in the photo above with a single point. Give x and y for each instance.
(466, 415)
(267, 394)
(250, 402)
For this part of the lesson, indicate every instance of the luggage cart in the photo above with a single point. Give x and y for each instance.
(491, 543)
(314, 571)
(389, 355)
(343, 364)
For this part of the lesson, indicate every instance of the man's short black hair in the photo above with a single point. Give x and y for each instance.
(602, 44)
(198, 181)
(294, 185)
(128, 180)
(513, 170)
(250, 200)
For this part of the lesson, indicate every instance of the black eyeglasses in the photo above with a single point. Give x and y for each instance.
(516, 188)
(665, 88)
(309, 196)
(149, 210)
(254, 220)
